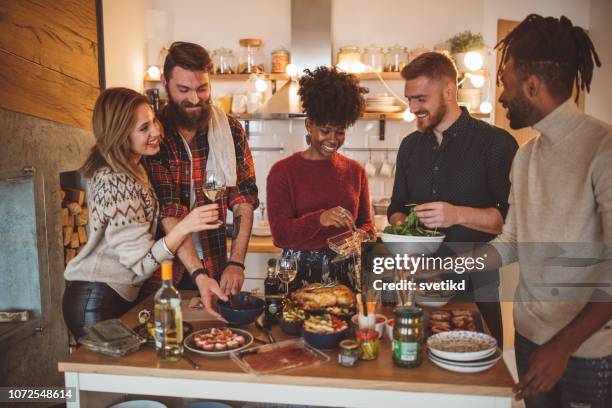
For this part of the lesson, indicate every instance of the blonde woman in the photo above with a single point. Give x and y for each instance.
(105, 277)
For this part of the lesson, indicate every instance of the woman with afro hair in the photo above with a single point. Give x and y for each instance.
(318, 193)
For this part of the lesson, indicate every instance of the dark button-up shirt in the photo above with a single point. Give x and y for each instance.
(170, 174)
(469, 168)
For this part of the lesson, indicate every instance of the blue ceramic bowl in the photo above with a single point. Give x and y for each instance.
(324, 340)
(291, 327)
(241, 309)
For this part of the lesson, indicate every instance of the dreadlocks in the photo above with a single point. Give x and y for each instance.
(553, 49)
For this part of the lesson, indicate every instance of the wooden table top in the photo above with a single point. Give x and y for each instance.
(380, 374)
(259, 244)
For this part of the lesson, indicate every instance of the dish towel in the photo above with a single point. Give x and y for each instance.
(221, 152)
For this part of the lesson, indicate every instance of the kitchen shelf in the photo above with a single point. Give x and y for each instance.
(285, 77)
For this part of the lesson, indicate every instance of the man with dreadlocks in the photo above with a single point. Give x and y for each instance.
(561, 192)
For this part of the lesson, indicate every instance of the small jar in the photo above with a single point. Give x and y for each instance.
(408, 336)
(373, 58)
(250, 56)
(224, 61)
(368, 343)
(280, 60)
(349, 353)
(396, 59)
(348, 58)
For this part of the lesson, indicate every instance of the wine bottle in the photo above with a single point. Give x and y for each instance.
(168, 319)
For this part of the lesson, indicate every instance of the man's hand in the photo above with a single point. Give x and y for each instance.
(232, 280)
(209, 290)
(438, 214)
(546, 366)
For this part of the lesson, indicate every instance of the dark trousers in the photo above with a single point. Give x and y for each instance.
(586, 382)
(86, 303)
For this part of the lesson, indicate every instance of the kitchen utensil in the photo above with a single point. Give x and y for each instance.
(262, 325)
(386, 170)
(370, 167)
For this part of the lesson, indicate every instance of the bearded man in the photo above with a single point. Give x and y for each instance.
(455, 168)
(199, 139)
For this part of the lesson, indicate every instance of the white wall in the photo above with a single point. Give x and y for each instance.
(599, 101)
(125, 42)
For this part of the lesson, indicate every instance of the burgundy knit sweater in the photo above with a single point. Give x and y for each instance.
(299, 190)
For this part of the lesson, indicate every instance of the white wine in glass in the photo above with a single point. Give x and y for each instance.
(286, 270)
(213, 187)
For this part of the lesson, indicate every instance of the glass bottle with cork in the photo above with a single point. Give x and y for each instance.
(272, 293)
(168, 319)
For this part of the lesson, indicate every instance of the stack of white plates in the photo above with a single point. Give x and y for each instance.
(463, 351)
(381, 103)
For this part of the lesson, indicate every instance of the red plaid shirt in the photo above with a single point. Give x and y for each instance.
(169, 173)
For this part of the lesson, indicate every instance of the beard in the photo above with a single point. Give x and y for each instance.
(190, 119)
(520, 111)
(432, 119)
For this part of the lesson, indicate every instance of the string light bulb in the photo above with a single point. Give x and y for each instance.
(291, 70)
(486, 107)
(261, 85)
(473, 60)
(154, 72)
(408, 116)
(476, 80)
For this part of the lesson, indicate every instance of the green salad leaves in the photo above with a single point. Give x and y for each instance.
(411, 227)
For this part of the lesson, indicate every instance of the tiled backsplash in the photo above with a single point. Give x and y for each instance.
(290, 135)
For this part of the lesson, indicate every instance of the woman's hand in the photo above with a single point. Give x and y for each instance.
(201, 218)
(338, 217)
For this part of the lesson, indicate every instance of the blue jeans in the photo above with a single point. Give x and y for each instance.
(586, 382)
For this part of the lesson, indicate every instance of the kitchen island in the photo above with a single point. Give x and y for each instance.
(368, 384)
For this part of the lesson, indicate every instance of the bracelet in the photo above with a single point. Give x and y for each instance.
(238, 264)
(197, 272)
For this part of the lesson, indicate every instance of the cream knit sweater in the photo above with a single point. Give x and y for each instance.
(121, 250)
(562, 194)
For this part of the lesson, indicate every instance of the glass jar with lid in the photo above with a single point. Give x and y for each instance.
(250, 61)
(349, 353)
(408, 337)
(368, 343)
(224, 61)
(280, 60)
(396, 59)
(373, 58)
(348, 58)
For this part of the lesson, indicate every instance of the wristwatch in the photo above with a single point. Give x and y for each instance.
(197, 272)
(238, 264)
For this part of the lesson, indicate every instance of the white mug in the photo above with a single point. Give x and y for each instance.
(239, 103)
(386, 170)
(370, 168)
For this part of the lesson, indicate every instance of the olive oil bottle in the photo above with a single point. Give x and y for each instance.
(168, 319)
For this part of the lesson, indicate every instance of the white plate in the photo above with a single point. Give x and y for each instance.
(384, 109)
(189, 343)
(389, 100)
(460, 369)
(432, 301)
(493, 358)
(486, 345)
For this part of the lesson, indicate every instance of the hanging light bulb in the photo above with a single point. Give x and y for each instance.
(486, 107)
(291, 70)
(261, 85)
(153, 72)
(473, 60)
(408, 116)
(476, 80)
(358, 67)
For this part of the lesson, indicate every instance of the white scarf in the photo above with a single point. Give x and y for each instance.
(221, 149)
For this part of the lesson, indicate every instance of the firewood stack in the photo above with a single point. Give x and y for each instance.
(75, 217)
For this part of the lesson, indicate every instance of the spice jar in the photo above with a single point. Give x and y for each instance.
(408, 336)
(348, 58)
(280, 60)
(349, 353)
(396, 59)
(223, 61)
(250, 56)
(374, 58)
(368, 343)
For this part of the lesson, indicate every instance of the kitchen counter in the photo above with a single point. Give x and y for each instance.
(259, 244)
(373, 383)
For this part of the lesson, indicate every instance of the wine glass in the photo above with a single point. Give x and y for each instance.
(286, 270)
(213, 186)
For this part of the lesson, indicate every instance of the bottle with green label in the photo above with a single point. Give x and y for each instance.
(408, 337)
